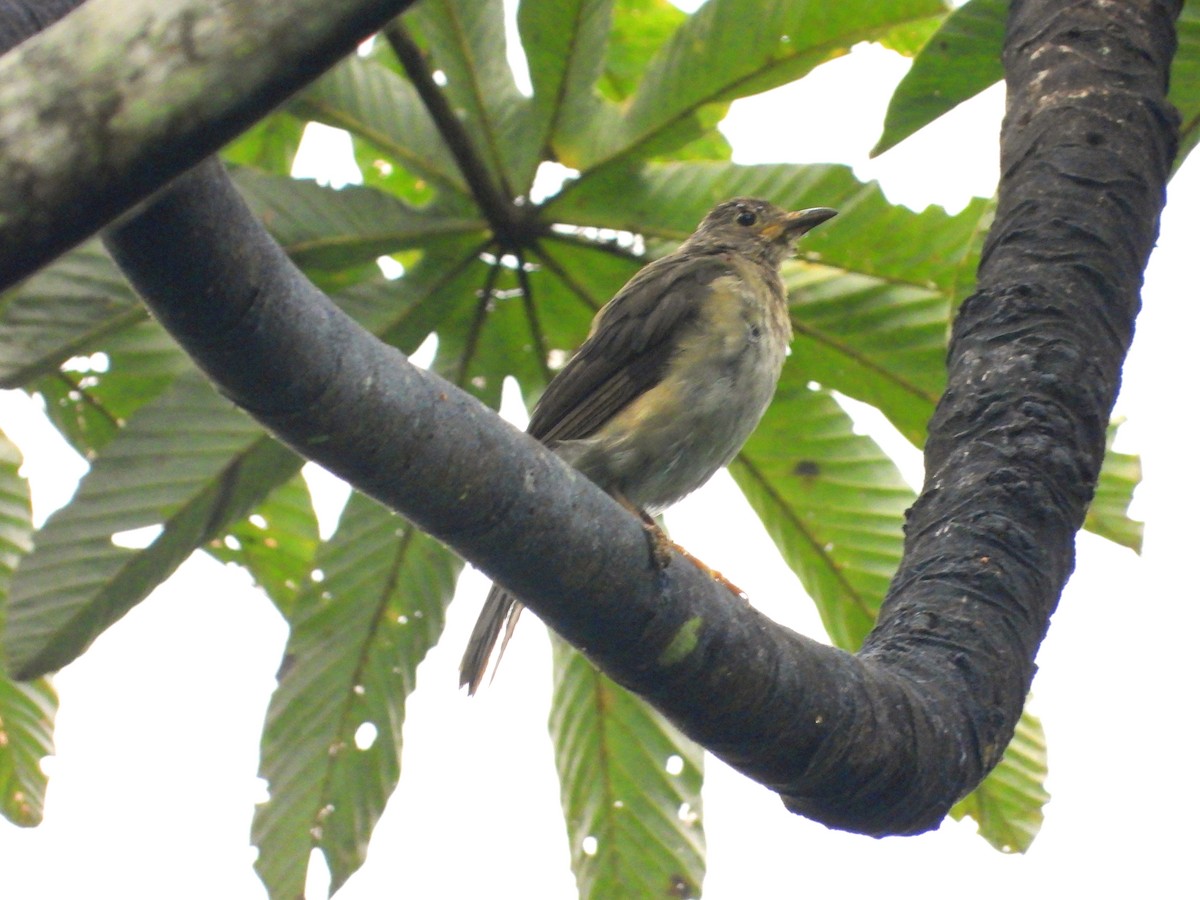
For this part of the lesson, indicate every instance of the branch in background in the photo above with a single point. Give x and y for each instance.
(110, 103)
(508, 224)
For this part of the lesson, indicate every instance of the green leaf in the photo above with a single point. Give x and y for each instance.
(487, 334)
(564, 42)
(958, 62)
(329, 230)
(909, 38)
(270, 145)
(639, 29)
(877, 341)
(1185, 79)
(26, 710)
(963, 58)
(832, 502)
(188, 461)
(378, 106)
(62, 311)
(735, 48)
(276, 543)
(331, 745)
(1008, 805)
(1108, 516)
(89, 408)
(467, 41)
(630, 788)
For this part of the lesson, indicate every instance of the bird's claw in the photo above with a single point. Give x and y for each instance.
(660, 555)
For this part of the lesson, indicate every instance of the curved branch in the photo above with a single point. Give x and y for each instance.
(882, 742)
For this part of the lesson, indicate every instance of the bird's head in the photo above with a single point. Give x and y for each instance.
(757, 228)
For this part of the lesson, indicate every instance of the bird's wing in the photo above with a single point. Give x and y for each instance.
(628, 350)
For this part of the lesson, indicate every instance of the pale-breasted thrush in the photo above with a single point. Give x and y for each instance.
(674, 376)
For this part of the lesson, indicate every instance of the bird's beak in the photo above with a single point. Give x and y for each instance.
(803, 221)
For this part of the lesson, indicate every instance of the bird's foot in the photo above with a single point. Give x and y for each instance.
(660, 554)
(661, 547)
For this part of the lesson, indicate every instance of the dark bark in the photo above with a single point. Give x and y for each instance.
(883, 742)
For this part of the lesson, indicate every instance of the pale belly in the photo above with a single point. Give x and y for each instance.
(673, 438)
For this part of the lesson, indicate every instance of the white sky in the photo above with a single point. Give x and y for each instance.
(154, 781)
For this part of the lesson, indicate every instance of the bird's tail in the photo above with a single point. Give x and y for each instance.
(500, 610)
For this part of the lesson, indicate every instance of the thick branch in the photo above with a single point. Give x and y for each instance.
(880, 743)
(109, 104)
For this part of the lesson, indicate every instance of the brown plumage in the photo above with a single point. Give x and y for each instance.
(675, 374)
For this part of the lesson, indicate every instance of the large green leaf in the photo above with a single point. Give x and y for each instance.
(26, 709)
(874, 340)
(735, 48)
(831, 500)
(62, 311)
(639, 29)
(467, 42)
(331, 745)
(963, 58)
(1008, 806)
(958, 62)
(328, 230)
(378, 106)
(189, 462)
(564, 43)
(630, 788)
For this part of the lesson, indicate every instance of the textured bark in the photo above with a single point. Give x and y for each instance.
(109, 104)
(883, 742)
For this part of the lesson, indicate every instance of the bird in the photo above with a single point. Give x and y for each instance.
(674, 375)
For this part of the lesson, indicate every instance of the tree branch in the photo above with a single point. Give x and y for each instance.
(108, 104)
(882, 742)
(510, 225)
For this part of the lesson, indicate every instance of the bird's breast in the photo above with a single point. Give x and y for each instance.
(721, 377)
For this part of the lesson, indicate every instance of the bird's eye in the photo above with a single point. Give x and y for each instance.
(747, 218)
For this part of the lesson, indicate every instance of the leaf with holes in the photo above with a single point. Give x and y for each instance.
(27, 709)
(188, 462)
(630, 786)
(270, 145)
(331, 744)
(275, 543)
(62, 311)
